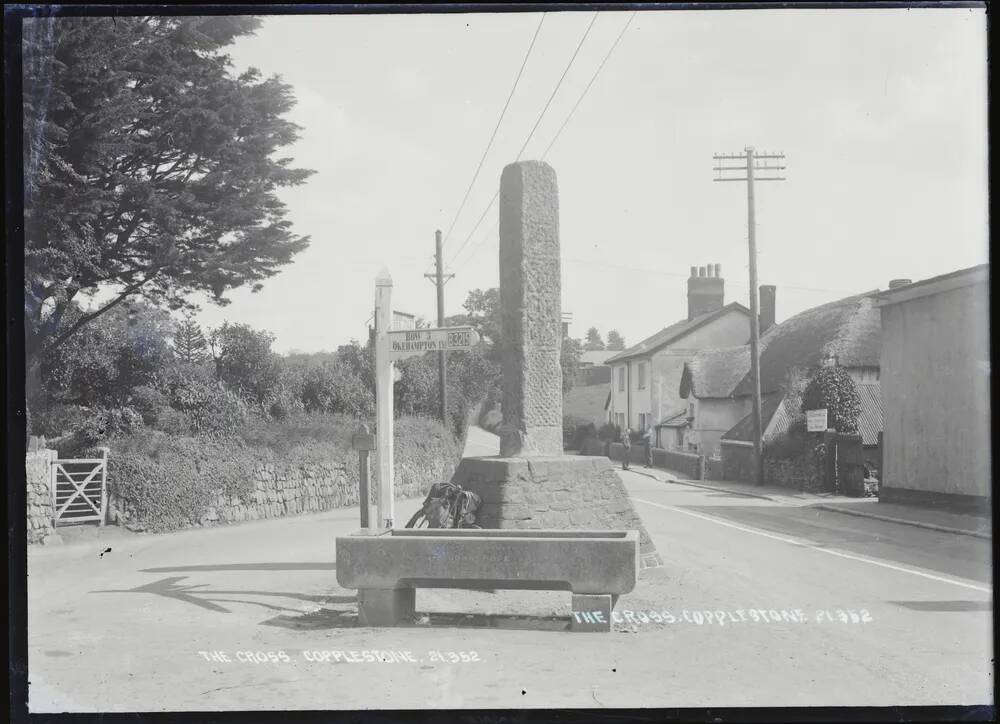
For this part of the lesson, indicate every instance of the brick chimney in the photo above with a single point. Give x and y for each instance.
(766, 316)
(705, 290)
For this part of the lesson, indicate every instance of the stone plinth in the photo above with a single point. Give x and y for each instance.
(531, 313)
(555, 492)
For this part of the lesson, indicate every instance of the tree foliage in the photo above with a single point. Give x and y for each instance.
(569, 360)
(615, 341)
(593, 341)
(832, 387)
(109, 359)
(149, 167)
(190, 346)
(245, 363)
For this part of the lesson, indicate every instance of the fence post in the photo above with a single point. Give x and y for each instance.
(52, 489)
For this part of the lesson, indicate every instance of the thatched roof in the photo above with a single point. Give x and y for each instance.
(715, 372)
(849, 328)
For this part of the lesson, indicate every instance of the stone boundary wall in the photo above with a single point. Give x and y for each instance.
(293, 489)
(39, 495)
(737, 461)
(279, 489)
(689, 465)
(714, 469)
(801, 473)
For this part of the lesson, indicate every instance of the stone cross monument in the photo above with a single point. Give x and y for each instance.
(530, 311)
(532, 483)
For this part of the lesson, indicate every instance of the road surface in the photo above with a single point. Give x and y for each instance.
(771, 605)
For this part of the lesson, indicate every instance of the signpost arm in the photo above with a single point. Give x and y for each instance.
(383, 399)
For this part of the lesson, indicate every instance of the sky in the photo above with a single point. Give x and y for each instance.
(881, 114)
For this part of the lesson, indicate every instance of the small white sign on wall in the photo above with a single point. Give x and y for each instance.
(816, 420)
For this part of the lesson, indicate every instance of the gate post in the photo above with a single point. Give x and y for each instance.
(104, 487)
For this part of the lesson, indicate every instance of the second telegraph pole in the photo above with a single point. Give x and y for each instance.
(751, 159)
(440, 278)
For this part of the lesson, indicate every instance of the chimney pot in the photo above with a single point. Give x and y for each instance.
(694, 271)
(896, 283)
(701, 271)
(718, 271)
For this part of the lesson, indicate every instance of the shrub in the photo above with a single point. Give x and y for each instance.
(570, 425)
(210, 408)
(97, 426)
(149, 402)
(833, 388)
(609, 432)
(163, 482)
(174, 422)
(57, 419)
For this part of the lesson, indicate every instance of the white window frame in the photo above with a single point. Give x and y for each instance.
(621, 378)
(641, 376)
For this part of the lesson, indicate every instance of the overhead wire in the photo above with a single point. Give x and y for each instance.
(590, 83)
(496, 128)
(531, 134)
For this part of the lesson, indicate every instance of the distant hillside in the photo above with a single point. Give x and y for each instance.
(587, 402)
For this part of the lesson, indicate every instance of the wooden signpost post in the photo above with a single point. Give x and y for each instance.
(390, 346)
(363, 441)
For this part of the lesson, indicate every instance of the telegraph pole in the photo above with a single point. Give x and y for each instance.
(751, 163)
(439, 278)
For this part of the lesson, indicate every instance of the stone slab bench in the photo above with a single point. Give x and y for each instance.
(386, 567)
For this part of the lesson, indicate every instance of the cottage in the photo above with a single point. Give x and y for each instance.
(718, 387)
(935, 366)
(645, 376)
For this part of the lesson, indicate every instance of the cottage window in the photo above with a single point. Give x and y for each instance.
(641, 375)
(621, 379)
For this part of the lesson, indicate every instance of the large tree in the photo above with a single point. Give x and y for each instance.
(593, 341)
(189, 345)
(150, 167)
(615, 341)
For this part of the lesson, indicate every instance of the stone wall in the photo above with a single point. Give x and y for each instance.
(714, 469)
(290, 489)
(801, 473)
(737, 461)
(553, 492)
(39, 495)
(688, 465)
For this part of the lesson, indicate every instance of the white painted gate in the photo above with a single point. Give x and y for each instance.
(79, 490)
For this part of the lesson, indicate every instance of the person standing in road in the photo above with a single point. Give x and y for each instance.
(648, 439)
(626, 447)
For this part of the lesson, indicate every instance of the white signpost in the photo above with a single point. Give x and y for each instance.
(816, 420)
(390, 346)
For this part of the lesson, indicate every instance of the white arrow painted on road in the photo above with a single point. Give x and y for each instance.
(805, 544)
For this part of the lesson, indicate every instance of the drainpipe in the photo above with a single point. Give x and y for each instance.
(628, 394)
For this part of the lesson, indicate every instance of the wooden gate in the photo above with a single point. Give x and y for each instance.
(79, 490)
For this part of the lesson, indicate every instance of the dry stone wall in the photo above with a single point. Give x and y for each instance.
(39, 497)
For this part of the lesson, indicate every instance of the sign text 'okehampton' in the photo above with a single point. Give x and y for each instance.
(406, 343)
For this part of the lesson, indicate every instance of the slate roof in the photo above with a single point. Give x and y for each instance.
(674, 419)
(776, 416)
(871, 419)
(671, 334)
(850, 328)
(595, 356)
(743, 430)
